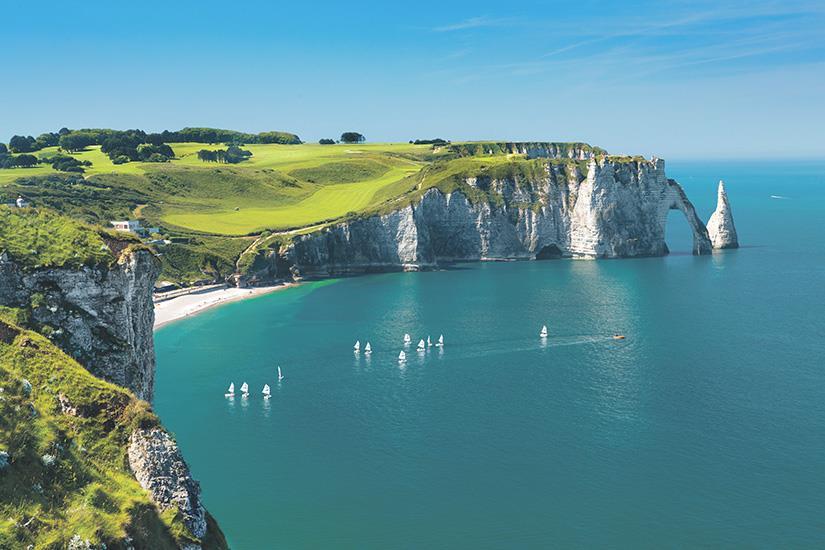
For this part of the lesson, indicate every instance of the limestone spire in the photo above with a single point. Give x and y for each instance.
(721, 230)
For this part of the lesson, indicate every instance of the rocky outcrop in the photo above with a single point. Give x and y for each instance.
(159, 467)
(530, 149)
(616, 209)
(721, 230)
(102, 316)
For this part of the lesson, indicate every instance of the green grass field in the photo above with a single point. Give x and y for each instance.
(279, 187)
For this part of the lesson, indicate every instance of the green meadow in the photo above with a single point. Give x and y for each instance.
(279, 187)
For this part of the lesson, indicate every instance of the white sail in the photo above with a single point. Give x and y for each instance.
(266, 391)
(407, 339)
(543, 332)
(368, 348)
(440, 341)
(357, 346)
(421, 345)
(231, 388)
(402, 356)
(280, 376)
(429, 343)
(244, 388)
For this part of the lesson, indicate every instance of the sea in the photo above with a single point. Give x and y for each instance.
(704, 427)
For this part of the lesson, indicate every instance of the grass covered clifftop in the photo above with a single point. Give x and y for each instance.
(63, 444)
(36, 238)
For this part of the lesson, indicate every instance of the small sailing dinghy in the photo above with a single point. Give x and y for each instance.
(367, 349)
(230, 392)
(543, 332)
(266, 391)
(429, 342)
(440, 342)
(245, 389)
(421, 345)
(280, 376)
(407, 339)
(357, 346)
(402, 357)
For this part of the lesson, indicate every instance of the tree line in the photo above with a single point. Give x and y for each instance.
(126, 142)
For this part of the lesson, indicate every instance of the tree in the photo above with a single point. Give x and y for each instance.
(326, 141)
(48, 139)
(75, 141)
(25, 161)
(3, 149)
(63, 131)
(22, 144)
(352, 137)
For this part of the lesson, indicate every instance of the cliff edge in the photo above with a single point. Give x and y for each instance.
(549, 202)
(83, 461)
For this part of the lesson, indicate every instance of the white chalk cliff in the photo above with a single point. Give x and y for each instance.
(721, 230)
(607, 208)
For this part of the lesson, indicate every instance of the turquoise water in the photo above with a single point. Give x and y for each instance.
(705, 427)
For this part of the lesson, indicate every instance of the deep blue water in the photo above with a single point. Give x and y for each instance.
(705, 427)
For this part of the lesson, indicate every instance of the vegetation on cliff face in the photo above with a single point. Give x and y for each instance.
(63, 436)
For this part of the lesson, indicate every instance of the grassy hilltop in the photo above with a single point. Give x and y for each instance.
(216, 211)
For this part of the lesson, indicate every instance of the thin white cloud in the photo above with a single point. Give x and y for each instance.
(475, 23)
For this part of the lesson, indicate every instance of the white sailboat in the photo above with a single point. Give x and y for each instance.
(402, 357)
(429, 343)
(266, 391)
(280, 376)
(357, 346)
(421, 345)
(440, 342)
(367, 349)
(245, 389)
(407, 339)
(230, 392)
(543, 332)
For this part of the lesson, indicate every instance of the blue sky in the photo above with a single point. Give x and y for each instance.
(676, 79)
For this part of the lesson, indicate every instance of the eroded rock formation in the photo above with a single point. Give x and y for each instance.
(721, 230)
(160, 469)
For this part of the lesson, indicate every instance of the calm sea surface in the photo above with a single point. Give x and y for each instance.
(705, 427)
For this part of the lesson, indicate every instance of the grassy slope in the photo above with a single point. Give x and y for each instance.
(88, 490)
(281, 186)
(36, 238)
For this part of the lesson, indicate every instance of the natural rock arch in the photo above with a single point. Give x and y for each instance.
(677, 200)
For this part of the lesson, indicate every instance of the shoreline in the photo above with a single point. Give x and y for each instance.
(202, 299)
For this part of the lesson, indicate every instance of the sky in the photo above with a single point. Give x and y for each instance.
(678, 79)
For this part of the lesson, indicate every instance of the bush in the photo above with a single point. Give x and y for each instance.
(121, 159)
(326, 141)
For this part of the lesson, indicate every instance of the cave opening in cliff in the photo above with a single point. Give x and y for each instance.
(549, 252)
(678, 233)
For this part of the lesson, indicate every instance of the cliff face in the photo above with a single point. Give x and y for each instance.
(720, 225)
(77, 302)
(102, 317)
(617, 209)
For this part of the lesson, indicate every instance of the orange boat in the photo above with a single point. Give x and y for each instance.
(618, 336)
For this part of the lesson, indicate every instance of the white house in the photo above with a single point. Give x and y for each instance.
(131, 226)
